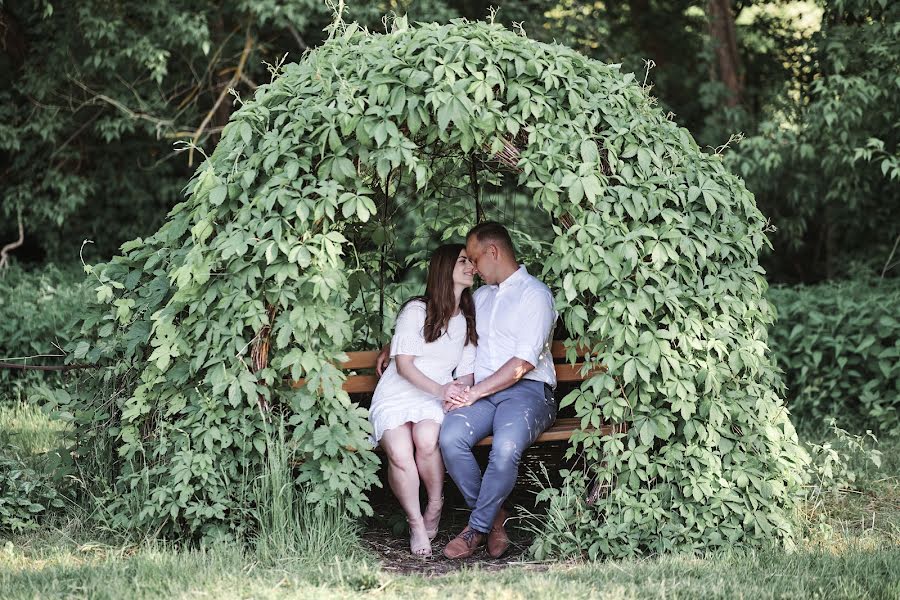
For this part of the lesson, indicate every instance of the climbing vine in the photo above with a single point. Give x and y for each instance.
(264, 271)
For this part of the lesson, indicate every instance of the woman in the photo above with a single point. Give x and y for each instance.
(434, 339)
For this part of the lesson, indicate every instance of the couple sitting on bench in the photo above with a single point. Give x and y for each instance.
(466, 366)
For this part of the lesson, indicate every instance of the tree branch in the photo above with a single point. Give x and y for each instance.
(248, 45)
(887, 264)
(19, 367)
(4, 253)
(160, 123)
(300, 41)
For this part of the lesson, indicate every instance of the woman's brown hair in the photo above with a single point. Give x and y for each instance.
(439, 299)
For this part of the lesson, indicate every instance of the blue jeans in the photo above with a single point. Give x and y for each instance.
(515, 416)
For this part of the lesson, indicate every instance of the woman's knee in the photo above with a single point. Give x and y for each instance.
(427, 443)
(402, 459)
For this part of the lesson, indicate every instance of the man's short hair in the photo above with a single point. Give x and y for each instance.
(493, 232)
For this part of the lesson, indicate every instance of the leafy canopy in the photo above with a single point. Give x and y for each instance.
(653, 263)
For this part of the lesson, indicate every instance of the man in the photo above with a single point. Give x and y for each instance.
(512, 398)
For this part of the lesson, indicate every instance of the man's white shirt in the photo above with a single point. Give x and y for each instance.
(515, 319)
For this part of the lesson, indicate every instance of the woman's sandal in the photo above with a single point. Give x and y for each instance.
(432, 533)
(422, 549)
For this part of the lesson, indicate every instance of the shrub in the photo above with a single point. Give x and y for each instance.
(28, 485)
(839, 347)
(653, 263)
(38, 317)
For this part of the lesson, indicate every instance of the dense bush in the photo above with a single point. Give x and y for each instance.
(26, 494)
(38, 317)
(653, 263)
(839, 347)
(30, 481)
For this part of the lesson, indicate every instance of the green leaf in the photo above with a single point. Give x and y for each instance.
(246, 132)
(218, 194)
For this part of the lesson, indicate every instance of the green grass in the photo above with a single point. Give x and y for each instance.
(26, 430)
(852, 551)
(45, 566)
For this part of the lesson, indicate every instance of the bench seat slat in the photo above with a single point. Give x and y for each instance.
(560, 431)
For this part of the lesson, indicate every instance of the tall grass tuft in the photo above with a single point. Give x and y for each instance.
(288, 528)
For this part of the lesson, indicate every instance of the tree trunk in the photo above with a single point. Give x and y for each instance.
(728, 61)
(12, 39)
(646, 26)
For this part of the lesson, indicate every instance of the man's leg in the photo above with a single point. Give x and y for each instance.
(523, 412)
(461, 430)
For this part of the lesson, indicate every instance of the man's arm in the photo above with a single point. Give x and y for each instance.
(509, 373)
(531, 342)
(384, 357)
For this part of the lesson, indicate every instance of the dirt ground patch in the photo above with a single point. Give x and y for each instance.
(393, 548)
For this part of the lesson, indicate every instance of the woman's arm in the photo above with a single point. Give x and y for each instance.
(407, 368)
(466, 380)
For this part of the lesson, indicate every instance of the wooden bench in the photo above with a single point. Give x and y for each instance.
(560, 431)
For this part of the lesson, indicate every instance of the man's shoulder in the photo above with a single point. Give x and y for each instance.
(483, 292)
(535, 285)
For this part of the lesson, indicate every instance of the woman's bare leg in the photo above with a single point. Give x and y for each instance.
(431, 470)
(403, 477)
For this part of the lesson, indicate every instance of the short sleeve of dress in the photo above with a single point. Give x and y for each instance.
(409, 332)
(466, 364)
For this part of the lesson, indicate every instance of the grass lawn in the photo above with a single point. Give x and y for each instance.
(853, 551)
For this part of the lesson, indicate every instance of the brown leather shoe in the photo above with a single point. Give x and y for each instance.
(497, 540)
(465, 544)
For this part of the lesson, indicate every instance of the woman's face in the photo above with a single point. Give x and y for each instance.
(463, 271)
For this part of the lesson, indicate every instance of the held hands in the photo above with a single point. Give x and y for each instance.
(457, 395)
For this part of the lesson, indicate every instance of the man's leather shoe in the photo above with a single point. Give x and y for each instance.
(497, 540)
(465, 544)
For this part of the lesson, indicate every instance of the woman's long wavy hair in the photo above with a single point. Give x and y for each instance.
(439, 299)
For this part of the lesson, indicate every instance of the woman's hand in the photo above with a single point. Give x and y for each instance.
(461, 395)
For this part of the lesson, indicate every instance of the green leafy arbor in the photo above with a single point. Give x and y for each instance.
(653, 258)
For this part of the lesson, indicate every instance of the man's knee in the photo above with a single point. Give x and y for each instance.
(453, 438)
(506, 452)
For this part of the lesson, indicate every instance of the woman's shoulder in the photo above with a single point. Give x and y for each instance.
(414, 309)
(415, 305)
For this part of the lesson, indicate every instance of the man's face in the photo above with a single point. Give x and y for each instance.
(481, 258)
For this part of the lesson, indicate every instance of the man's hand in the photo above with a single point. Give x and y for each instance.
(381, 362)
(451, 390)
(460, 396)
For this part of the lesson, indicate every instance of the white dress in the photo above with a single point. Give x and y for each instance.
(397, 401)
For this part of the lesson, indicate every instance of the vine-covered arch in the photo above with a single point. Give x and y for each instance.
(652, 257)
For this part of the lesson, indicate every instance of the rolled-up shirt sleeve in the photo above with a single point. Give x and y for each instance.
(538, 320)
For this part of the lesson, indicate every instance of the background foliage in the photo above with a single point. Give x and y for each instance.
(38, 319)
(104, 88)
(839, 347)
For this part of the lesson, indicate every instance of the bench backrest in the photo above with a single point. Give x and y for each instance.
(365, 383)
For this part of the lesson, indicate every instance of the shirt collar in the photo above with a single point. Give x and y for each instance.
(515, 278)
